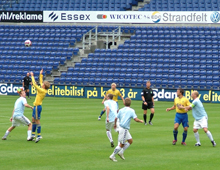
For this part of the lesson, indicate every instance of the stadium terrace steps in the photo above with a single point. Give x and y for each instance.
(140, 5)
(182, 5)
(172, 57)
(72, 5)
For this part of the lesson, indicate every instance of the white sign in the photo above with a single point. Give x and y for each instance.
(132, 16)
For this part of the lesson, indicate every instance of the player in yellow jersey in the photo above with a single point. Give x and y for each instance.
(115, 92)
(41, 93)
(181, 115)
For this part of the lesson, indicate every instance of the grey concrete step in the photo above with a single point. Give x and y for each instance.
(140, 5)
(55, 73)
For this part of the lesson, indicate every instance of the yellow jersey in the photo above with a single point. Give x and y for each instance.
(41, 93)
(115, 94)
(183, 101)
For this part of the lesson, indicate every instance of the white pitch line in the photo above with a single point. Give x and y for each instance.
(5, 116)
(5, 123)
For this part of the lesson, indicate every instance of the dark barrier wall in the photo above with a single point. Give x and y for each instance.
(99, 92)
(21, 16)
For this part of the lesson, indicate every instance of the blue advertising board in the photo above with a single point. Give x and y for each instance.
(170, 95)
(214, 96)
(9, 89)
(62, 91)
(99, 92)
(135, 93)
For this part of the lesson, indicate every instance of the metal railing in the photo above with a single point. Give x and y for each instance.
(94, 36)
(91, 37)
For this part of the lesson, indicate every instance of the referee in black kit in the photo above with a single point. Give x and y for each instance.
(26, 82)
(147, 96)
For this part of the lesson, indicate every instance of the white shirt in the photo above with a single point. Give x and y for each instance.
(113, 109)
(19, 106)
(125, 115)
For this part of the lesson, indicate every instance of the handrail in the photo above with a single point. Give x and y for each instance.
(114, 34)
(90, 36)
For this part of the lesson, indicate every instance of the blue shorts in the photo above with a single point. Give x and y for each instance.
(182, 118)
(37, 112)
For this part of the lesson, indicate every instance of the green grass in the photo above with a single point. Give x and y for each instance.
(74, 139)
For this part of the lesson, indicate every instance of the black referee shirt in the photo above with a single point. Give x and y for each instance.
(148, 94)
(26, 80)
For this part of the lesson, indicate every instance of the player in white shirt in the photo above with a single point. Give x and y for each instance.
(124, 115)
(201, 118)
(111, 108)
(18, 115)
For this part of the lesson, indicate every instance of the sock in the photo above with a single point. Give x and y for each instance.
(109, 135)
(117, 149)
(197, 137)
(175, 134)
(33, 129)
(38, 130)
(27, 94)
(151, 116)
(209, 135)
(184, 136)
(29, 134)
(125, 147)
(6, 133)
(145, 118)
(102, 112)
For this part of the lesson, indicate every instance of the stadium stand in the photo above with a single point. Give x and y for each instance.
(169, 56)
(50, 49)
(182, 5)
(71, 5)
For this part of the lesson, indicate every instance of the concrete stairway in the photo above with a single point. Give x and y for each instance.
(140, 5)
(83, 53)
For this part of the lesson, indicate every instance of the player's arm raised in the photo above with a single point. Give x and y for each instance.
(34, 83)
(41, 77)
(31, 82)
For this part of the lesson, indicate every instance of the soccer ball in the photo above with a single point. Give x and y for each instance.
(28, 43)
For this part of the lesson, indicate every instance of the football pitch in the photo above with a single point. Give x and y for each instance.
(73, 138)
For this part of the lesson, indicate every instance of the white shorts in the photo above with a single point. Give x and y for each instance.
(109, 125)
(20, 120)
(124, 135)
(117, 128)
(200, 124)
